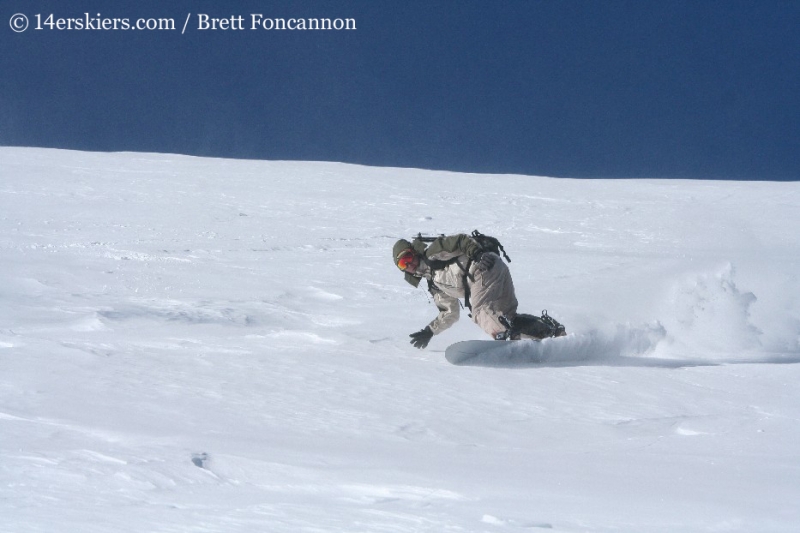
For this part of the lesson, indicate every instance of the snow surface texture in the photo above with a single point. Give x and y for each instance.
(208, 345)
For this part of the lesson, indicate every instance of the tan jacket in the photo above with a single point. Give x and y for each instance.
(446, 263)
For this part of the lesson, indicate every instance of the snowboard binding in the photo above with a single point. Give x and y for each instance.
(531, 327)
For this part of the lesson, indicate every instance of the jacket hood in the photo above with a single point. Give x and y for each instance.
(399, 246)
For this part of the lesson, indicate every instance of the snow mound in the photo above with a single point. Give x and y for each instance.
(708, 318)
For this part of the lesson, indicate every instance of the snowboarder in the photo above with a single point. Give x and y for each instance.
(459, 266)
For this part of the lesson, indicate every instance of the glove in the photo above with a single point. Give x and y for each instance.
(485, 261)
(421, 338)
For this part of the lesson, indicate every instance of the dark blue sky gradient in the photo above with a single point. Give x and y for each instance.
(692, 89)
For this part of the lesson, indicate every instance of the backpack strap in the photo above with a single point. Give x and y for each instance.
(467, 304)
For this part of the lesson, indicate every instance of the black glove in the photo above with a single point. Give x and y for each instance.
(421, 338)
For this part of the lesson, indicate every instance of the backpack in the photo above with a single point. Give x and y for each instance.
(489, 244)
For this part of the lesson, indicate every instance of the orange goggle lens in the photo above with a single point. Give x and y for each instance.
(405, 259)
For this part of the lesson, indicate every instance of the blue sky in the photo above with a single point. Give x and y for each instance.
(674, 89)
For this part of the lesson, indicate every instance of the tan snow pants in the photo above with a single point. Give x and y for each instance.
(492, 296)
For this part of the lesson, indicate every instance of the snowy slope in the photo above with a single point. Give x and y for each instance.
(192, 344)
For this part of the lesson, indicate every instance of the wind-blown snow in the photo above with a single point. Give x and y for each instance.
(192, 344)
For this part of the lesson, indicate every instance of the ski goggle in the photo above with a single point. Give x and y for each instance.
(404, 259)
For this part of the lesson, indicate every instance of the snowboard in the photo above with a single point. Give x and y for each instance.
(463, 351)
(498, 353)
(505, 352)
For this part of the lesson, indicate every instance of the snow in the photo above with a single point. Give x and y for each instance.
(192, 344)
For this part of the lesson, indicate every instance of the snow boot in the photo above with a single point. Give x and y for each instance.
(524, 326)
